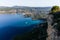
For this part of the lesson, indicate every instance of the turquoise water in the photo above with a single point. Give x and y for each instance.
(14, 24)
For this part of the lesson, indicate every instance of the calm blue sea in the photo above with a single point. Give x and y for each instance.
(14, 24)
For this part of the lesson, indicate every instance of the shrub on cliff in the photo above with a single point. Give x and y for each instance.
(55, 9)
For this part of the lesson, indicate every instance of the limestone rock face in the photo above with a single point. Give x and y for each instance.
(53, 26)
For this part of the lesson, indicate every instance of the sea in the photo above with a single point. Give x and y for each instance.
(14, 24)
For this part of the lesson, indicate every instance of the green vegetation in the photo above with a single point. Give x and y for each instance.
(5, 9)
(55, 9)
(39, 16)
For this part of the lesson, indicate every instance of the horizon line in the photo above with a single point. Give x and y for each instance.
(26, 6)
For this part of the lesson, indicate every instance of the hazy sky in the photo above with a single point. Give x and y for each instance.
(32, 3)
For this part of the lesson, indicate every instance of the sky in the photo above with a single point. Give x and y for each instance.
(31, 3)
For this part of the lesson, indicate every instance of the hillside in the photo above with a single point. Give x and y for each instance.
(23, 9)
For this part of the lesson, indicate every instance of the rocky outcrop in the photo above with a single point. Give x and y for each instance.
(53, 26)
